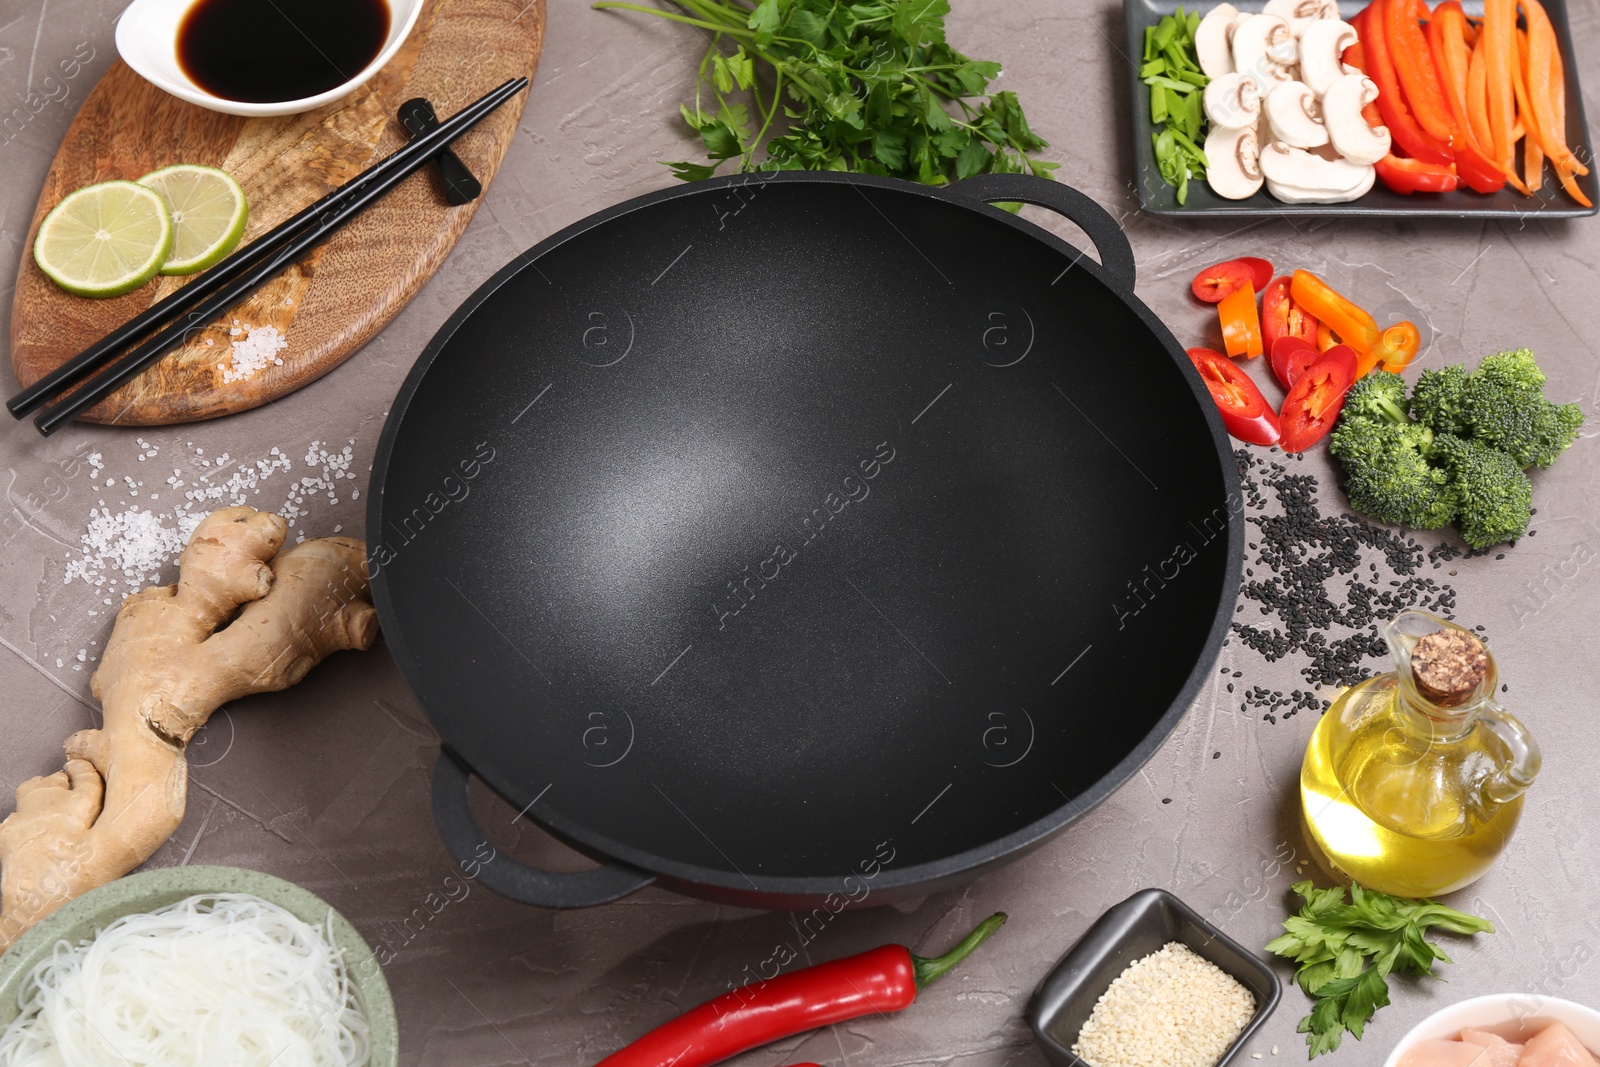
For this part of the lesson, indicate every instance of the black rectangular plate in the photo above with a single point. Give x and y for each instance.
(1159, 198)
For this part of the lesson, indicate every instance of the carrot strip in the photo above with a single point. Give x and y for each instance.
(1542, 46)
(1533, 149)
(1478, 101)
(1498, 43)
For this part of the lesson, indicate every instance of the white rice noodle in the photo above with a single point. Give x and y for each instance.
(222, 980)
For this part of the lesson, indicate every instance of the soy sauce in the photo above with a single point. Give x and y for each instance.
(268, 51)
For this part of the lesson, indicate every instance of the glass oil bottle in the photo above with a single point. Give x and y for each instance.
(1413, 781)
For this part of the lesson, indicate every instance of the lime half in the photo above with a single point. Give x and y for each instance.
(208, 214)
(105, 239)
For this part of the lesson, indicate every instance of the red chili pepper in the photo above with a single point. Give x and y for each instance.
(1245, 412)
(1406, 131)
(883, 979)
(1414, 176)
(1313, 405)
(1282, 317)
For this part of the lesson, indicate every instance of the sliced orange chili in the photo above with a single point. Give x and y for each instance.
(1241, 323)
(1354, 326)
(1398, 346)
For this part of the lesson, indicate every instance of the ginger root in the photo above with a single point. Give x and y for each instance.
(242, 619)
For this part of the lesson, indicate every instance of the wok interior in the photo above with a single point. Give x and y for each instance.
(757, 528)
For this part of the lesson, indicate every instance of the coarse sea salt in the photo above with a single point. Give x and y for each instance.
(258, 348)
(125, 549)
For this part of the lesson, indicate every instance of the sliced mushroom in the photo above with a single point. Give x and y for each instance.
(1348, 129)
(1300, 14)
(1295, 116)
(1322, 49)
(1296, 176)
(1233, 102)
(1213, 40)
(1264, 49)
(1233, 163)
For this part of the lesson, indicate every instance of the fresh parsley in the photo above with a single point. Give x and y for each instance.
(832, 85)
(1345, 953)
(1172, 71)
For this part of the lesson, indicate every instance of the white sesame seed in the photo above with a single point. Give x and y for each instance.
(1172, 1008)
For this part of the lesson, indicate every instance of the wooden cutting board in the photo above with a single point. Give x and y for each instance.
(335, 300)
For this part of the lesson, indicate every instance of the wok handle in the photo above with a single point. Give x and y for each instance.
(1116, 254)
(503, 875)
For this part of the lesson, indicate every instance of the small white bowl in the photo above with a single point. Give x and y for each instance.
(1515, 1016)
(147, 40)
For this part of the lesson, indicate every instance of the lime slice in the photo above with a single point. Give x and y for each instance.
(105, 239)
(208, 213)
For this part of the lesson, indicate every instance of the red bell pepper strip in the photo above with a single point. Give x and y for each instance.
(1419, 78)
(883, 979)
(1241, 323)
(1414, 176)
(1407, 133)
(1282, 317)
(1246, 414)
(1313, 405)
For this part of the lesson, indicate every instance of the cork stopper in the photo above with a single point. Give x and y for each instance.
(1449, 666)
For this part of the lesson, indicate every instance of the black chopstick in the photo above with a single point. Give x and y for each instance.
(197, 304)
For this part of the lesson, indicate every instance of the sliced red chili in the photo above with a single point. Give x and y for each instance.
(1313, 405)
(1220, 280)
(1290, 357)
(1245, 412)
(1282, 317)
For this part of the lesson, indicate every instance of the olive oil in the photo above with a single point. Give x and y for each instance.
(1415, 787)
(257, 52)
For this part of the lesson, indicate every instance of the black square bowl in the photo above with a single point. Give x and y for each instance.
(1129, 931)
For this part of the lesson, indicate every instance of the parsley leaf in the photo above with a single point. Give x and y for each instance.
(1346, 952)
(866, 86)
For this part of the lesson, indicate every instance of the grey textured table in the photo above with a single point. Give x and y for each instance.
(326, 784)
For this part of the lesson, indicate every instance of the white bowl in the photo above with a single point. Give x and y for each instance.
(1515, 1016)
(147, 40)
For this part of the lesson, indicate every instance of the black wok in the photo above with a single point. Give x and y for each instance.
(798, 541)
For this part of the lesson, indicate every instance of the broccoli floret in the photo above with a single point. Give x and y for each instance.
(1494, 496)
(1379, 397)
(1504, 407)
(1439, 400)
(1389, 476)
